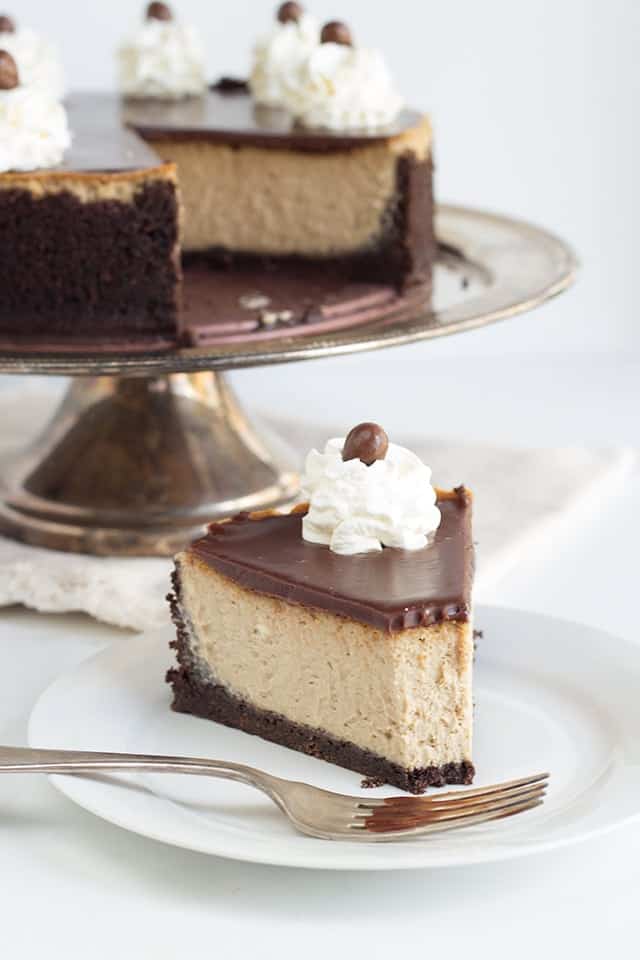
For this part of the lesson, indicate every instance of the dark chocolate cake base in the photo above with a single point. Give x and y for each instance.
(101, 270)
(249, 303)
(202, 698)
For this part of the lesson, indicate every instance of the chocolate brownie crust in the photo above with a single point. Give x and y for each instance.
(89, 269)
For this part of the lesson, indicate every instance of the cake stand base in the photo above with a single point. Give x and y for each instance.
(138, 466)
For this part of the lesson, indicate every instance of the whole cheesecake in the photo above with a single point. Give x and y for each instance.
(328, 228)
(282, 227)
(363, 660)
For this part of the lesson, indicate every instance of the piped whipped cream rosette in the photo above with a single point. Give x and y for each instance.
(341, 87)
(164, 59)
(37, 60)
(278, 57)
(365, 494)
(34, 130)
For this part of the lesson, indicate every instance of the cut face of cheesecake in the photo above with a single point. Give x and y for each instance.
(330, 229)
(255, 185)
(89, 251)
(364, 661)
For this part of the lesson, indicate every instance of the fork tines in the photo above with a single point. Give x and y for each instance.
(451, 810)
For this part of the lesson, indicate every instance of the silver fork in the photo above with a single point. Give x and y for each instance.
(315, 812)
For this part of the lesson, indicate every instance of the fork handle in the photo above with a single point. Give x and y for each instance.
(25, 760)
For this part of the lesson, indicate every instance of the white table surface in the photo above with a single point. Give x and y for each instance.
(73, 886)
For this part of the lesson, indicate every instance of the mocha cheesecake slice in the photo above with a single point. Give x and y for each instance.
(363, 659)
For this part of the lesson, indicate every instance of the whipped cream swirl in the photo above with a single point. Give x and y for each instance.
(164, 60)
(279, 57)
(37, 61)
(34, 131)
(342, 88)
(354, 508)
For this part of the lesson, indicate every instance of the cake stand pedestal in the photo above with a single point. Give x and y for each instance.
(145, 449)
(138, 465)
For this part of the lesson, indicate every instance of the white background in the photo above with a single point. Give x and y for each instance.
(534, 105)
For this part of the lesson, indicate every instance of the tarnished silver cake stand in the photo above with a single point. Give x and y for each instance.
(145, 449)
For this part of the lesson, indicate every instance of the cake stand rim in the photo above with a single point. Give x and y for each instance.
(500, 300)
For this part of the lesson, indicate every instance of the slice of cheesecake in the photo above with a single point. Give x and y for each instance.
(364, 661)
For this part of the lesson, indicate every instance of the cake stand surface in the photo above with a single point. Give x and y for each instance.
(145, 449)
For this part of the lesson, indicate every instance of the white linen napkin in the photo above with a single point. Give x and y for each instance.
(522, 499)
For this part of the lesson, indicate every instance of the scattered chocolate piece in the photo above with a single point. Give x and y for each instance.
(367, 442)
(9, 78)
(290, 12)
(159, 11)
(478, 635)
(336, 32)
(7, 25)
(230, 85)
(463, 495)
(372, 783)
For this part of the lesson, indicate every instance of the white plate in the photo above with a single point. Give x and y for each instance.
(549, 696)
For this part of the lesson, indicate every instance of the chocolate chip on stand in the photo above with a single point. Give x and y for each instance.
(367, 442)
(9, 78)
(7, 25)
(290, 12)
(159, 11)
(336, 32)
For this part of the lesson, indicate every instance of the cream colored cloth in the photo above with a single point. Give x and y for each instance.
(523, 498)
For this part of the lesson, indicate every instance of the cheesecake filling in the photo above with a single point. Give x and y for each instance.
(404, 697)
(335, 203)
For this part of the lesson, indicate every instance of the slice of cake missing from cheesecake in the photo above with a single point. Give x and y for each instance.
(361, 659)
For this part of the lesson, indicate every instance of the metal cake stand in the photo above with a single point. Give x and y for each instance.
(147, 448)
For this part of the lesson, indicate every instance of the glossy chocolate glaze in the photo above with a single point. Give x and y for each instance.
(392, 590)
(233, 117)
(101, 144)
(105, 128)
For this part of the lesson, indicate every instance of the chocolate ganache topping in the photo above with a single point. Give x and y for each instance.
(391, 590)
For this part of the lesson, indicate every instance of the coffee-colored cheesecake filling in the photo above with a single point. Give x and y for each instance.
(335, 203)
(405, 697)
(392, 590)
(253, 182)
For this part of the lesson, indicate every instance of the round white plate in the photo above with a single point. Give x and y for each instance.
(549, 695)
